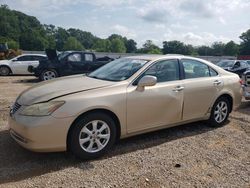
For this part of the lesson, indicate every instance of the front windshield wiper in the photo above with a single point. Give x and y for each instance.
(102, 78)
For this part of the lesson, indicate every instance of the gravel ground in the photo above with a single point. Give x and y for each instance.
(192, 155)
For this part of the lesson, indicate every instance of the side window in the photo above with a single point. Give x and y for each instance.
(167, 70)
(89, 57)
(74, 57)
(24, 58)
(38, 58)
(212, 72)
(195, 69)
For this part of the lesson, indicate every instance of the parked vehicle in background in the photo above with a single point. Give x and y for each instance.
(19, 64)
(6, 53)
(235, 66)
(86, 114)
(246, 84)
(248, 62)
(66, 63)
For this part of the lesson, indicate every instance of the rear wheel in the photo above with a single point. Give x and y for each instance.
(4, 71)
(92, 136)
(220, 112)
(48, 75)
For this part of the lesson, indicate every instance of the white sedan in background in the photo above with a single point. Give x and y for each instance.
(19, 64)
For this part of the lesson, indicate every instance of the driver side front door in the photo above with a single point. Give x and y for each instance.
(157, 105)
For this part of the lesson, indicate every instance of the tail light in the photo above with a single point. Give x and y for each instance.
(241, 81)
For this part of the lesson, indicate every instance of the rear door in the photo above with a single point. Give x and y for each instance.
(201, 86)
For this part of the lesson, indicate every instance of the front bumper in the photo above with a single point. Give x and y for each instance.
(40, 134)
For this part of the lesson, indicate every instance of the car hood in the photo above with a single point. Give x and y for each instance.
(55, 88)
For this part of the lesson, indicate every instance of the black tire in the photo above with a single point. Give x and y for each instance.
(42, 76)
(4, 71)
(76, 133)
(215, 120)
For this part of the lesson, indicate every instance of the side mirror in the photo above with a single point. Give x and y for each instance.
(146, 81)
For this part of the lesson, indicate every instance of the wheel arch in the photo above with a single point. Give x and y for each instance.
(100, 110)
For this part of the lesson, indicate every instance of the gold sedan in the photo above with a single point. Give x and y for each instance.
(86, 114)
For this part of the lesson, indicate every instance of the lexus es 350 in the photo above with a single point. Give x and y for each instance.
(86, 114)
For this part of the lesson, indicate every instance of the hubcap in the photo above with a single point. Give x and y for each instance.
(94, 136)
(220, 112)
(48, 75)
(4, 71)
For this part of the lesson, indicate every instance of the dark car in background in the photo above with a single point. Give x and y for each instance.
(235, 66)
(67, 63)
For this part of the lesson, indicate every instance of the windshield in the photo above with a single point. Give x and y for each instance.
(225, 63)
(119, 69)
(62, 55)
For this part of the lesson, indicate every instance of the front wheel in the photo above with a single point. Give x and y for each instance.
(4, 71)
(220, 112)
(48, 75)
(92, 136)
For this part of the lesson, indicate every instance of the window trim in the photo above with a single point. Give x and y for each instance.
(183, 70)
(133, 82)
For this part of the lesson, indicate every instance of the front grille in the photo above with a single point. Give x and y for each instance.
(14, 108)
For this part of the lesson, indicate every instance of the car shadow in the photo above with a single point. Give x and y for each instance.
(26, 80)
(17, 163)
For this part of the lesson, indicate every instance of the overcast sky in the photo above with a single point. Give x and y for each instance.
(194, 22)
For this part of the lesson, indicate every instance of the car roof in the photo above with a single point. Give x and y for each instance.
(33, 55)
(152, 57)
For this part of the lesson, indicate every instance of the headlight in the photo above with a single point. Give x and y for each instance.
(42, 109)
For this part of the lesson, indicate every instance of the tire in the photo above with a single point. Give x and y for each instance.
(95, 141)
(48, 74)
(219, 112)
(4, 71)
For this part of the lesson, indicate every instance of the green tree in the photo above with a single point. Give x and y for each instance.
(32, 40)
(231, 48)
(149, 48)
(61, 36)
(13, 45)
(85, 38)
(102, 45)
(117, 46)
(245, 44)
(204, 50)
(72, 44)
(131, 46)
(218, 48)
(175, 47)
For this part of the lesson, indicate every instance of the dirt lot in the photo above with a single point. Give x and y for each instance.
(193, 155)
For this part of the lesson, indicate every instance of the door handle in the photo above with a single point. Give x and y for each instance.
(178, 88)
(217, 82)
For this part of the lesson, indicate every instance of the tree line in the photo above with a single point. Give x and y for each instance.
(27, 33)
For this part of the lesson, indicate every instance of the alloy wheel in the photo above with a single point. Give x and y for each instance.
(221, 111)
(94, 136)
(48, 75)
(4, 71)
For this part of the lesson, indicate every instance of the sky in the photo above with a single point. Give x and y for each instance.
(196, 22)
